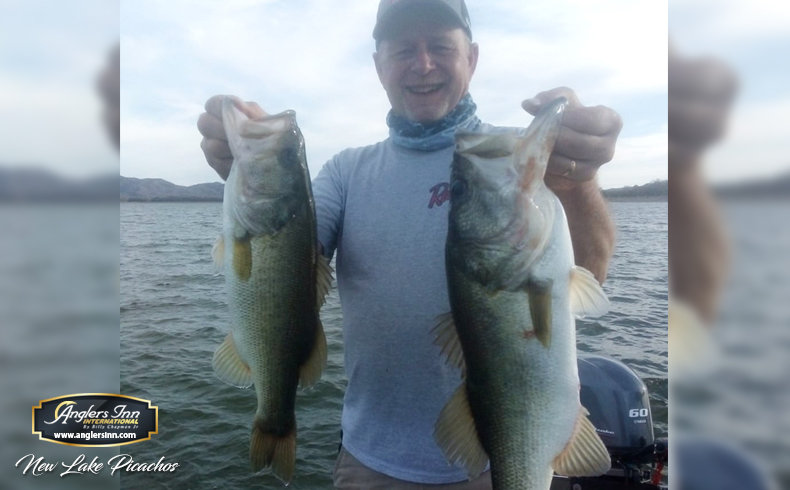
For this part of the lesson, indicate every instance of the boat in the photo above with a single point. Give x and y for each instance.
(619, 406)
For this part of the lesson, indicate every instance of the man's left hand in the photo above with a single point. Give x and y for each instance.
(586, 140)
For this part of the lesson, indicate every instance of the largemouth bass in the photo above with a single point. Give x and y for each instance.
(275, 279)
(514, 291)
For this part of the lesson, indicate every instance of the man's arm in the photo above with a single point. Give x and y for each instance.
(586, 142)
(701, 93)
(591, 227)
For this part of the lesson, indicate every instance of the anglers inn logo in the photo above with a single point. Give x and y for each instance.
(95, 419)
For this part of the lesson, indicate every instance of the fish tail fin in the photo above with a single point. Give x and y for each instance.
(310, 371)
(273, 450)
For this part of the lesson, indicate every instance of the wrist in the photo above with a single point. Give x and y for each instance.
(567, 189)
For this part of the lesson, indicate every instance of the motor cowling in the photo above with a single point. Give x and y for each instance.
(619, 407)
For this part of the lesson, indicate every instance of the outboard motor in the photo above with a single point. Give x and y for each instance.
(620, 411)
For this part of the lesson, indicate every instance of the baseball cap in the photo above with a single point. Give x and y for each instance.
(391, 10)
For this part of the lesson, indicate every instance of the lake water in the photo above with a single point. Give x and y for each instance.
(173, 315)
(739, 393)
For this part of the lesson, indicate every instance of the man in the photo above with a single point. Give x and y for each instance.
(382, 209)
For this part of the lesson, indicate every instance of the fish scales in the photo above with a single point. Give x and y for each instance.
(275, 296)
(513, 291)
(275, 280)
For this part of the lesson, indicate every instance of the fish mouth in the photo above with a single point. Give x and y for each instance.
(546, 125)
(534, 148)
(260, 128)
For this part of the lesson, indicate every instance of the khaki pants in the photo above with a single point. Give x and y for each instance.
(350, 474)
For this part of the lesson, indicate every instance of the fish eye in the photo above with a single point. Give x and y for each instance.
(458, 189)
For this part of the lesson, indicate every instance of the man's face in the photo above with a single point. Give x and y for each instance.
(425, 69)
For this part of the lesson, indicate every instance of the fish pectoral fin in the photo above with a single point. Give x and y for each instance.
(539, 293)
(585, 453)
(242, 258)
(456, 434)
(218, 252)
(273, 450)
(228, 365)
(447, 339)
(323, 279)
(586, 296)
(310, 371)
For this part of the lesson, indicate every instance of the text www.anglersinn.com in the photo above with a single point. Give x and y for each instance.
(94, 435)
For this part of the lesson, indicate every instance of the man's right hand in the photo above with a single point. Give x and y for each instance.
(215, 141)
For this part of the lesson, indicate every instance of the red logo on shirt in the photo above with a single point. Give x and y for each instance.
(440, 193)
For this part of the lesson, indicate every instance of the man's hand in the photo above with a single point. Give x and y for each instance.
(701, 94)
(215, 141)
(586, 140)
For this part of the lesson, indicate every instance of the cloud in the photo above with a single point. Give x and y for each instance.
(637, 160)
(54, 125)
(315, 57)
(713, 25)
(616, 47)
(164, 149)
(755, 145)
(48, 95)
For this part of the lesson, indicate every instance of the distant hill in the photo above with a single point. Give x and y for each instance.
(772, 188)
(21, 184)
(159, 190)
(39, 185)
(162, 190)
(654, 191)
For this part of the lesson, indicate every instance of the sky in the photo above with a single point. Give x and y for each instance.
(753, 39)
(316, 58)
(50, 56)
(309, 56)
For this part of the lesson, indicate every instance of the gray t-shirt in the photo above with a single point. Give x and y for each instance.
(383, 209)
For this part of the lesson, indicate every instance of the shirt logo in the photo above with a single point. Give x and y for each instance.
(440, 193)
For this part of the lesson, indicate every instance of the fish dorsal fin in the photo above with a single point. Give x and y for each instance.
(447, 339)
(586, 296)
(456, 435)
(228, 365)
(310, 371)
(323, 279)
(218, 252)
(585, 453)
(539, 293)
